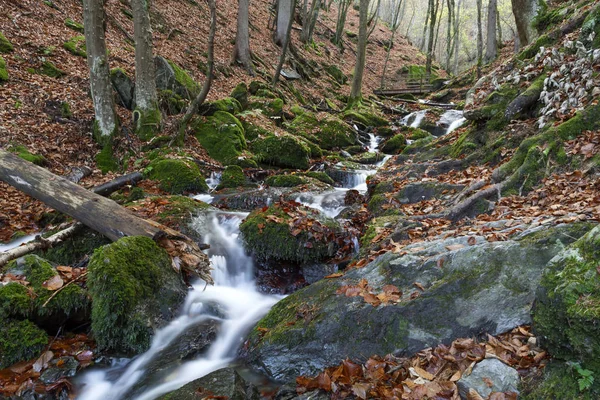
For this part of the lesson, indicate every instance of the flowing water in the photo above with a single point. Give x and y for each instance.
(453, 119)
(212, 182)
(16, 243)
(234, 301)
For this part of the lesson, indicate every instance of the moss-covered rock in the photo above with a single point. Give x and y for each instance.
(285, 180)
(74, 249)
(268, 236)
(5, 45)
(328, 131)
(284, 151)
(320, 176)
(365, 118)
(531, 50)
(228, 104)
(134, 291)
(584, 120)
(336, 73)
(171, 103)
(20, 341)
(240, 93)
(224, 383)
(26, 155)
(14, 300)
(170, 76)
(394, 145)
(559, 380)
(567, 312)
(3, 71)
(222, 135)
(590, 29)
(177, 176)
(367, 158)
(106, 160)
(49, 69)
(232, 177)
(76, 26)
(76, 46)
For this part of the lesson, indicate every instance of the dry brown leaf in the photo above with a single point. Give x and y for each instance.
(54, 283)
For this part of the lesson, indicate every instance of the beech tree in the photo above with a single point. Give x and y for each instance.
(361, 49)
(394, 27)
(147, 114)
(309, 20)
(285, 45)
(106, 122)
(479, 40)
(343, 7)
(491, 48)
(241, 51)
(524, 12)
(285, 11)
(432, 21)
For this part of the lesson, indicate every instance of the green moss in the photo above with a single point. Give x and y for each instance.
(65, 110)
(5, 45)
(76, 46)
(284, 180)
(321, 176)
(26, 155)
(182, 78)
(567, 312)
(222, 135)
(269, 107)
(587, 119)
(591, 28)
(3, 71)
(148, 122)
(106, 161)
(125, 280)
(171, 102)
(328, 132)
(367, 158)
(14, 300)
(76, 26)
(177, 176)
(51, 70)
(394, 145)
(531, 50)
(227, 104)
(336, 73)
(374, 225)
(375, 204)
(559, 381)
(284, 151)
(255, 86)
(240, 93)
(20, 341)
(365, 118)
(417, 74)
(416, 133)
(269, 237)
(76, 248)
(232, 177)
(244, 162)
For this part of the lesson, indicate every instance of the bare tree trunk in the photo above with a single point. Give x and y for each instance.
(308, 26)
(147, 114)
(440, 3)
(424, 35)
(372, 23)
(449, 37)
(524, 12)
(106, 122)
(361, 49)
(412, 18)
(344, 6)
(491, 51)
(457, 36)
(500, 41)
(479, 40)
(395, 26)
(285, 11)
(241, 51)
(286, 44)
(433, 18)
(193, 108)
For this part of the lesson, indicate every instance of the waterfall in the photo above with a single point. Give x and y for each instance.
(233, 301)
(453, 119)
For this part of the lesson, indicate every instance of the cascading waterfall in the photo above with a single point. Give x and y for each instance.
(233, 301)
(453, 119)
(414, 119)
(213, 181)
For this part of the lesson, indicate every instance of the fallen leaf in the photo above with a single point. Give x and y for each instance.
(454, 247)
(334, 275)
(42, 362)
(54, 283)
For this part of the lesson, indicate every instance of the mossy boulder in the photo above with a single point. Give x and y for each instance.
(124, 86)
(71, 303)
(170, 76)
(222, 135)
(228, 104)
(394, 145)
(224, 383)
(76, 46)
(320, 176)
(271, 107)
(567, 312)
(135, 291)
(147, 122)
(590, 30)
(3, 71)
(284, 151)
(177, 176)
(171, 103)
(327, 131)
(26, 155)
(285, 180)
(559, 380)
(336, 73)
(232, 177)
(20, 341)
(5, 45)
(365, 118)
(74, 249)
(240, 93)
(49, 69)
(367, 158)
(270, 234)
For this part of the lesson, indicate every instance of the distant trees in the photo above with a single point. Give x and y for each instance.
(285, 44)
(147, 113)
(479, 39)
(394, 27)
(241, 51)
(105, 122)
(433, 9)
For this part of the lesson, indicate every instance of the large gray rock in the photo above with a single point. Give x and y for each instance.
(224, 382)
(169, 76)
(485, 287)
(415, 192)
(490, 371)
(124, 86)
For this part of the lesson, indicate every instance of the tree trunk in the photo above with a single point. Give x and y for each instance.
(457, 36)
(147, 113)
(99, 213)
(344, 6)
(395, 26)
(525, 11)
(310, 21)
(105, 124)
(424, 35)
(449, 37)
(479, 40)
(432, 21)
(491, 51)
(285, 45)
(285, 10)
(241, 51)
(361, 49)
(500, 41)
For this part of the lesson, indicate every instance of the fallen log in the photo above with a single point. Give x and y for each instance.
(109, 187)
(100, 214)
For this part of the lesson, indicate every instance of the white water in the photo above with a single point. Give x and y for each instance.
(212, 182)
(16, 243)
(453, 119)
(237, 298)
(374, 143)
(414, 119)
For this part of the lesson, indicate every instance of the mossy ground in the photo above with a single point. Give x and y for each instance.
(3, 71)
(125, 280)
(394, 145)
(76, 26)
(222, 135)
(76, 46)
(105, 159)
(5, 45)
(284, 151)
(26, 155)
(20, 341)
(328, 132)
(177, 176)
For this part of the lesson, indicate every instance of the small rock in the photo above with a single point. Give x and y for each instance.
(490, 375)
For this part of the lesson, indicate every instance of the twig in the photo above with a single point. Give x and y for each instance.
(61, 288)
(116, 24)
